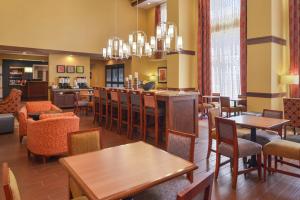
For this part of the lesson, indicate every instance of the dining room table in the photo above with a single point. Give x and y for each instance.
(122, 171)
(257, 122)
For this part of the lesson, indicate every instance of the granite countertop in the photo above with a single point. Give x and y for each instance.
(175, 93)
(70, 90)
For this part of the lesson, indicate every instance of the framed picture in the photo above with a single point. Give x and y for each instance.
(70, 68)
(80, 69)
(60, 68)
(162, 74)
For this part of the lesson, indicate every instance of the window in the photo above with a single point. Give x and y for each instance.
(163, 12)
(225, 46)
(114, 75)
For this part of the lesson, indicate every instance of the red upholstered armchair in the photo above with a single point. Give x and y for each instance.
(33, 107)
(12, 102)
(48, 137)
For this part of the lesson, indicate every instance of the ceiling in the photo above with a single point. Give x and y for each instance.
(146, 4)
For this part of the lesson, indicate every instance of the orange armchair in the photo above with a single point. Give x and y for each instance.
(48, 137)
(12, 102)
(33, 107)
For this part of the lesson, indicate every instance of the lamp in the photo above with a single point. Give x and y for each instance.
(289, 79)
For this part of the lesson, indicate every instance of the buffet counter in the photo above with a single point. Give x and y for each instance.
(64, 98)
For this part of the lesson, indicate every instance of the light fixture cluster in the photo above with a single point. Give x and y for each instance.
(165, 40)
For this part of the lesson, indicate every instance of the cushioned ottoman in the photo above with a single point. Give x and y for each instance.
(7, 123)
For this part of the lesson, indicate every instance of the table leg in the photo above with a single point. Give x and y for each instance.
(234, 104)
(252, 162)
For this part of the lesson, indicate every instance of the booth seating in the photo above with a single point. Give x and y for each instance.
(283, 149)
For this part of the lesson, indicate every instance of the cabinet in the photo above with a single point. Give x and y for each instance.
(64, 98)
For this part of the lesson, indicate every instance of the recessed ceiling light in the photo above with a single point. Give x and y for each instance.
(148, 3)
(24, 52)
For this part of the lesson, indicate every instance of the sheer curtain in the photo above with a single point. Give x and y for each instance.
(225, 47)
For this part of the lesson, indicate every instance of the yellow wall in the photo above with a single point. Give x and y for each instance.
(267, 61)
(59, 59)
(72, 25)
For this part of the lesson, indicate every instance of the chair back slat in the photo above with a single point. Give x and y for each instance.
(277, 114)
(202, 189)
(114, 95)
(212, 114)
(226, 130)
(150, 100)
(225, 101)
(181, 144)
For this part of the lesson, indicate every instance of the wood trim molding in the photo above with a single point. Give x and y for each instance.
(46, 52)
(182, 89)
(183, 51)
(266, 39)
(266, 95)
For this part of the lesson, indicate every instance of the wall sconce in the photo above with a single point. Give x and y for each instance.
(152, 78)
(289, 79)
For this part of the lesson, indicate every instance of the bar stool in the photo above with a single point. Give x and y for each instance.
(125, 106)
(136, 104)
(104, 105)
(151, 109)
(96, 104)
(115, 106)
(80, 104)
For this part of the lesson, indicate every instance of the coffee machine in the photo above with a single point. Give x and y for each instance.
(64, 82)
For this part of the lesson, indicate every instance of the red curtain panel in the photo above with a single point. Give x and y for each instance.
(204, 47)
(243, 46)
(294, 22)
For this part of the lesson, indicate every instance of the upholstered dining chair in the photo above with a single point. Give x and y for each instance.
(96, 105)
(243, 103)
(265, 136)
(212, 114)
(104, 105)
(203, 107)
(292, 113)
(82, 142)
(136, 104)
(229, 145)
(12, 102)
(200, 190)
(125, 110)
(227, 108)
(215, 101)
(115, 108)
(10, 185)
(182, 145)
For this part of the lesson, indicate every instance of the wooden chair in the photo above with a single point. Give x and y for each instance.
(215, 101)
(96, 105)
(201, 189)
(203, 107)
(283, 149)
(80, 104)
(104, 105)
(115, 106)
(243, 103)
(82, 142)
(10, 185)
(136, 104)
(292, 113)
(212, 114)
(227, 108)
(182, 145)
(125, 106)
(151, 109)
(265, 136)
(229, 145)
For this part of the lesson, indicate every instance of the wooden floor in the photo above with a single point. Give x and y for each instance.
(39, 181)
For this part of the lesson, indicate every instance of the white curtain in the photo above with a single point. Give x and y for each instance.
(225, 44)
(163, 12)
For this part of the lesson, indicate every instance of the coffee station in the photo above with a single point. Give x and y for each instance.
(62, 94)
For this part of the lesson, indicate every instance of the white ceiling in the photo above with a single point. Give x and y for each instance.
(150, 3)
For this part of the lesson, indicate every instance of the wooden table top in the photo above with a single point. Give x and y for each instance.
(238, 99)
(122, 171)
(258, 121)
(211, 97)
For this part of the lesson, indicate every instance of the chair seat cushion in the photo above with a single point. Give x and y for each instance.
(165, 191)
(263, 137)
(283, 148)
(293, 138)
(246, 148)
